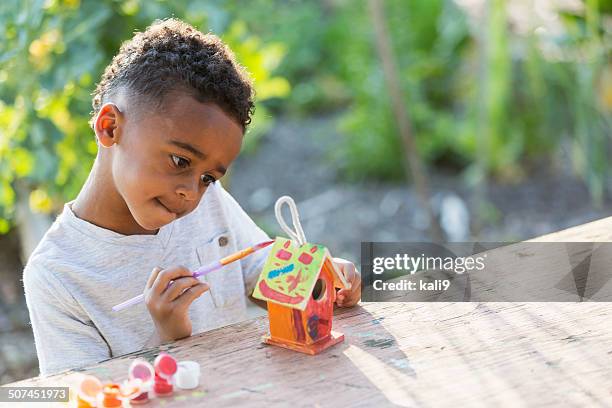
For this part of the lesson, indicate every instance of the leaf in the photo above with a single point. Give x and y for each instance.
(40, 201)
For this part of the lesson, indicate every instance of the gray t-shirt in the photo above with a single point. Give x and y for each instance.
(79, 271)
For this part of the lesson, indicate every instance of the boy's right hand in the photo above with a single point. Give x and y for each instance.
(169, 306)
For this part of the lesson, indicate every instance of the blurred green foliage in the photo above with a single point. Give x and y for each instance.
(488, 99)
(490, 92)
(51, 55)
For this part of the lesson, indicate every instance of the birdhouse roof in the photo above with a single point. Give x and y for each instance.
(291, 271)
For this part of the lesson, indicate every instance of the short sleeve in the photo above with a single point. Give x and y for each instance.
(64, 337)
(246, 233)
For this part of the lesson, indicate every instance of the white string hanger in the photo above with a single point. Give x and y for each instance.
(296, 234)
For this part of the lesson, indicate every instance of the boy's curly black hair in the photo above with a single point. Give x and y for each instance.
(171, 55)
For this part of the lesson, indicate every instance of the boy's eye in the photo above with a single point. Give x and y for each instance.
(207, 179)
(179, 161)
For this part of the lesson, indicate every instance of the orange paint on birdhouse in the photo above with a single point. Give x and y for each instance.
(300, 292)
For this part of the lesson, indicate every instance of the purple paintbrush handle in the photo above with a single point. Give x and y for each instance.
(206, 269)
(203, 271)
(133, 301)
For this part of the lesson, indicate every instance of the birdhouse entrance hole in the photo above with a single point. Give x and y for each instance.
(318, 293)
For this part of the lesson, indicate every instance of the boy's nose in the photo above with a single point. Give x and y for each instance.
(188, 192)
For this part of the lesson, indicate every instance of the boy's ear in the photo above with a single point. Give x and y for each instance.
(106, 124)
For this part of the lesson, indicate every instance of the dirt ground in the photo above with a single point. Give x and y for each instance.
(291, 160)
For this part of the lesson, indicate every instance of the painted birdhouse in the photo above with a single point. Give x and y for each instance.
(298, 283)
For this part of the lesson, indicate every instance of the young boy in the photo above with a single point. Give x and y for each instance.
(169, 116)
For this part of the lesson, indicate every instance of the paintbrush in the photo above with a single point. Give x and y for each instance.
(203, 271)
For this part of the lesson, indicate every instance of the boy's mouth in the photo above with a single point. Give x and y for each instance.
(162, 205)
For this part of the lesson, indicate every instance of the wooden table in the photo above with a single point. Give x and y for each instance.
(407, 354)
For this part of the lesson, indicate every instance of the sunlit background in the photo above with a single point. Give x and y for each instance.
(384, 120)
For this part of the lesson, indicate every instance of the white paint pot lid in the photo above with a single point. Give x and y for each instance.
(188, 375)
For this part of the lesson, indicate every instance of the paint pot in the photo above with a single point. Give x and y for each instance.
(162, 387)
(130, 389)
(111, 396)
(165, 368)
(143, 371)
(87, 392)
(141, 398)
(188, 375)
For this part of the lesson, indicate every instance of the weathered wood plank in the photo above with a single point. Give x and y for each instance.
(408, 354)
(596, 231)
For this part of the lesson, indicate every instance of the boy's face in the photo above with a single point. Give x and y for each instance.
(163, 161)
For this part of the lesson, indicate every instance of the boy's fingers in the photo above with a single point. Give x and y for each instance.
(152, 277)
(347, 268)
(178, 286)
(350, 274)
(191, 294)
(349, 297)
(356, 278)
(164, 277)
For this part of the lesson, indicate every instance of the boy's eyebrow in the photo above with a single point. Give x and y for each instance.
(196, 152)
(190, 148)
